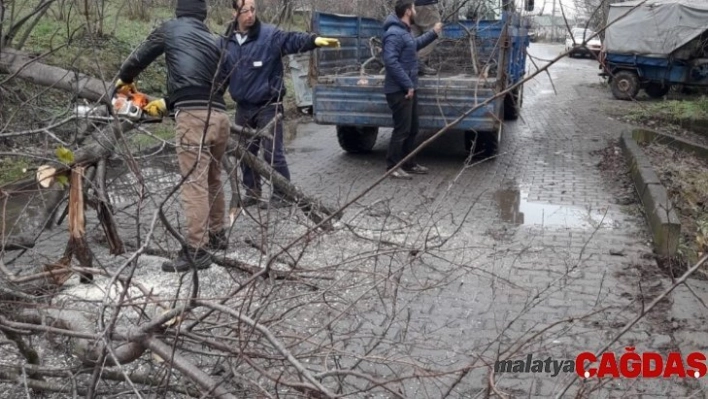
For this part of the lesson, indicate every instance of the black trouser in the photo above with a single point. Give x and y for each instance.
(405, 128)
(273, 152)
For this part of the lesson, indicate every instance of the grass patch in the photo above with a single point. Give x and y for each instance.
(162, 132)
(686, 180)
(13, 169)
(674, 111)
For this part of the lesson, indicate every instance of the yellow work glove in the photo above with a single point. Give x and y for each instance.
(326, 42)
(156, 108)
(122, 87)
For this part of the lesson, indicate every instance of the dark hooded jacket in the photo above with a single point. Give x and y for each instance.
(191, 54)
(254, 69)
(400, 54)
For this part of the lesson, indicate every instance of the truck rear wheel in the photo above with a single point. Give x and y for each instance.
(656, 90)
(357, 139)
(625, 85)
(512, 104)
(485, 143)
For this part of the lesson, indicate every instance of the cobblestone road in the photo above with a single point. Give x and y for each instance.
(544, 222)
(539, 255)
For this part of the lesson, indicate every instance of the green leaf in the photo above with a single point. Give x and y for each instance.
(65, 155)
(63, 180)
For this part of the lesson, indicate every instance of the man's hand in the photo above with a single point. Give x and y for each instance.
(122, 87)
(156, 108)
(410, 94)
(438, 27)
(326, 42)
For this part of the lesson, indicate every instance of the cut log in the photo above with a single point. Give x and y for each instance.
(29, 68)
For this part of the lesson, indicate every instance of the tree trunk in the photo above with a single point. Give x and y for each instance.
(29, 68)
(90, 88)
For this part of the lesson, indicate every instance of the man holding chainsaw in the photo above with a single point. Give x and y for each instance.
(202, 126)
(253, 64)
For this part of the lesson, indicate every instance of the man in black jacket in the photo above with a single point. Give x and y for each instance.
(427, 15)
(202, 126)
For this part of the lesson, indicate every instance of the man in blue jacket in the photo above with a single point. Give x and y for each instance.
(253, 65)
(400, 83)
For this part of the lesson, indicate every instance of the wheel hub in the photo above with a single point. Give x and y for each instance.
(623, 84)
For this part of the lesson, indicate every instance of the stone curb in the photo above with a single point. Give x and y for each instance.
(649, 136)
(661, 216)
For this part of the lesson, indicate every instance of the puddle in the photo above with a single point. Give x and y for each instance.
(515, 208)
(20, 215)
(24, 213)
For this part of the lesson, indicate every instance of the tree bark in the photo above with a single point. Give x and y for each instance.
(29, 68)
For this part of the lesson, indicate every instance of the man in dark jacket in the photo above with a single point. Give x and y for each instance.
(253, 64)
(202, 126)
(427, 15)
(400, 84)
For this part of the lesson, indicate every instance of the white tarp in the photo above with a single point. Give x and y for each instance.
(654, 28)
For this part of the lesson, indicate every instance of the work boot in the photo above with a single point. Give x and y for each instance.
(401, 174)
(218, 241)
(425, 69)
(183, 263)
(252, 197)
(416, 169)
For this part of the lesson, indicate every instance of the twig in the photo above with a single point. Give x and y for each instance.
(644, 312)
(274, 341)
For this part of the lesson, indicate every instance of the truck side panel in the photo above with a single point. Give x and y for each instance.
(344, 96)
(361, 102)
(649, 68)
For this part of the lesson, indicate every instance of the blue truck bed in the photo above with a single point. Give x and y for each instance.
(349, 95)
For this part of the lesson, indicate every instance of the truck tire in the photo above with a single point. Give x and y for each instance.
(357, 139)
(625, 85)
(512, 104)
(487, 143)
(656, 90)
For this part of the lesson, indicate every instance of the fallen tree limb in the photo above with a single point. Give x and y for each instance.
(18, 243)
(316, 385)
(106, 374)
(313, 208)
(27, 67)
(45, 386)
(166, 352)
(240, 265)
(87, 350)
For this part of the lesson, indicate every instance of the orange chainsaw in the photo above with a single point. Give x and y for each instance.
(131, 104)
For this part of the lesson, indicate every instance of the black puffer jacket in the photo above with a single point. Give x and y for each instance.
(192, 57)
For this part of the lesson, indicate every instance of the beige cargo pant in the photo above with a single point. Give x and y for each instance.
(426, 17)
(202, 192)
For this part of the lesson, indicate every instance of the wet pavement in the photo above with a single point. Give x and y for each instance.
(528, 253)
(542, 238)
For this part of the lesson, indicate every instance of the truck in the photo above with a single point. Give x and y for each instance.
(652, 45)
(476, 60)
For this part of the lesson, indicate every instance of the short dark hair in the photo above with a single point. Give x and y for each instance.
(402, 6)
